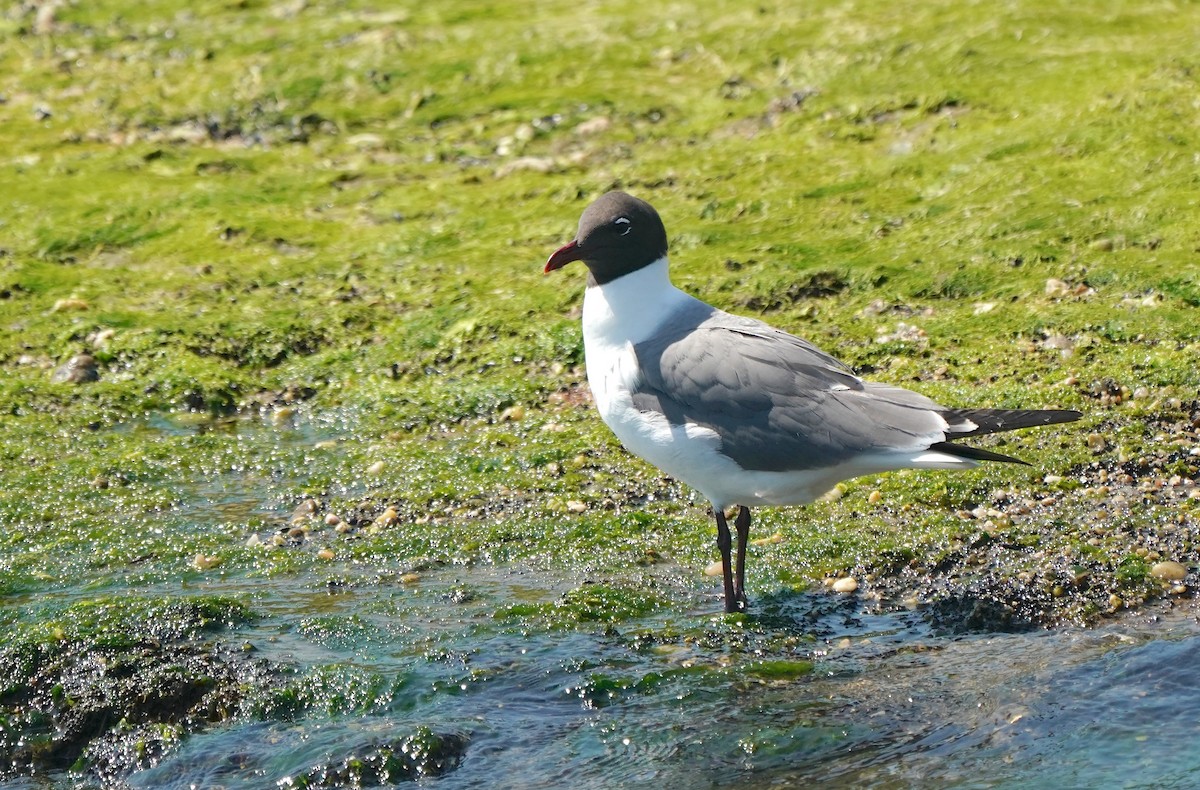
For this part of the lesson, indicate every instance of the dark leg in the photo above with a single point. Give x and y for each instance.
(724, 544)
(742, 523)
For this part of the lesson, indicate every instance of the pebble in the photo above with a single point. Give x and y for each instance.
(388, 517)
(78, 369)
(776, 538)
(325, 444)
(332, 519)
(410, 578)
(326, 554)
(206, 561)
(594, 125)
(846, 584)
(1115, 602)
(99, 339)
(376, 468)
(513, 414)
(833, 494)
(73, 303)
(1056, 288)
(304, 511)
(875, 497)
(1168, 570)
(1097, 443)
(282, 415)
(575, 506)
(713, 568)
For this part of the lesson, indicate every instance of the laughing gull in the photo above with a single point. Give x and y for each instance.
(743, 412)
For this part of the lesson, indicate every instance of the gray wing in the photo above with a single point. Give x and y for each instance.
(776, 401)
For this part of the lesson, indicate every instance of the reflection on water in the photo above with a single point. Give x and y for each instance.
(890, 705)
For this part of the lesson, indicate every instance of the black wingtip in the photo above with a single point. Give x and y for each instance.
(976, 422)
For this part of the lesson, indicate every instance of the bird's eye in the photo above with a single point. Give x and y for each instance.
(624, 224)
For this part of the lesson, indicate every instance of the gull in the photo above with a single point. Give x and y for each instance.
(745, 413)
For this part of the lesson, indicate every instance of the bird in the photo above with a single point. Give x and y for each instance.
(746, 414)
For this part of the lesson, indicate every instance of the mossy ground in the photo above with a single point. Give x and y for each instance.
(302, 241)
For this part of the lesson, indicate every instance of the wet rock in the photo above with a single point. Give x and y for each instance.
(1169, 571)
(424, 753)
(105, 711)
(846, 584)
(966, 613)
(79, 369)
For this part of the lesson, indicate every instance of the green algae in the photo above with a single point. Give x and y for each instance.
(304, 240)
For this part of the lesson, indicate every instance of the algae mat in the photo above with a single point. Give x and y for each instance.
(273, 331)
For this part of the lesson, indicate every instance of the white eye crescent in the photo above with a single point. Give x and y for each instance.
(624, 221)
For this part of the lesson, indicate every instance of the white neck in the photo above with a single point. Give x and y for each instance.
(630, 308)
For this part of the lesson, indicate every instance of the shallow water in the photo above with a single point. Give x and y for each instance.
(674, 698)
(888, 705)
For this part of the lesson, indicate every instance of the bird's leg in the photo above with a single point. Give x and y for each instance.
(724, 544)
(742, 523)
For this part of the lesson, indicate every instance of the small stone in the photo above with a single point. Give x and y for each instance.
(325, 444)
(79, 369)
(410, 578)
(254, 540)
(1168, 570)
(332, 519)
(575, 506)
(205, 562)
(1115, 602)
(100, 482)
(875, 497)
(388, 517)
(376, 468)
(593, 125)
(846, 584)
(1056, 288)
(281, 415)
(833, 494)
(99, 339)
(714, 569)
(343, 528)
(66, 305)
(296, 533)
(326, 554)
(776, 538)
(514, 413)
(1097, 443)
(304, 511)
